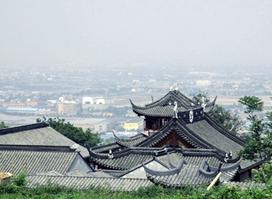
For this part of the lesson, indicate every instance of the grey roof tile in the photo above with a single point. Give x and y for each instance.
(215, 137)
(76, 182)
(131, 141)
(32, 162)
(191, 172)
(37, 134)
(162, 106)
(125, 159)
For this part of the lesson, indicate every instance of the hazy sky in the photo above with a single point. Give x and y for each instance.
(181, 33)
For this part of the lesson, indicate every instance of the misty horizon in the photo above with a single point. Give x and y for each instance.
(187, 35)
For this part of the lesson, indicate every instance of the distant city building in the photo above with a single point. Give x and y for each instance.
(100, 127)
(203, 83)
(87, 100)
(68, 108)
(99, 101)
(91, 104)
(93, 100)
(21, 110)
(130, 126)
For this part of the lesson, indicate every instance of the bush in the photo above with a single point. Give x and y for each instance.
(77, 134)
(14, 184)
(16, 188)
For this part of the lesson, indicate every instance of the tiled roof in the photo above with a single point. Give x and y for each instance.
(132, 141)
(36, 134)
(34, 161)
(120, 143)
(219, 138)
(139, 172)
(164, 106)
(176, 126)
(76, 182)
(200, 134)
(157, 111)
(105, 148)
(193, 171)
(125, 159)
(134, 157)
(172, 96)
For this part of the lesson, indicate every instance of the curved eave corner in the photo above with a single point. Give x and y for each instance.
(210, 106)
(137, 109)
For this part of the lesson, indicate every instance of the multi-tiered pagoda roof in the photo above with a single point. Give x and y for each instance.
(180, 129)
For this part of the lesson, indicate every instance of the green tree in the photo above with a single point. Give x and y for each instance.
(264, 173)
(231, 122)
(259, 144)
(3, 125)
(252, 104)
(77, 134)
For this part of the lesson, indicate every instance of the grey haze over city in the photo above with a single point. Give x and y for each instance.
(83, 60)
(184, 34)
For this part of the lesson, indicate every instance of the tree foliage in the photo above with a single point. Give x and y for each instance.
(231, 122)
(77, 134)
(264, 173)
(158, 192)
(3, 125)
(259, 144)
(252, 104)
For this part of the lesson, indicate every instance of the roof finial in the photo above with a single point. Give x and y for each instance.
(175, 109)
(176, 87)
(203, 103)
(110, 155)
(75, 147)
(191, 116)
(228, 156)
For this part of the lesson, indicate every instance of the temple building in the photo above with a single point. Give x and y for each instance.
(180, 145)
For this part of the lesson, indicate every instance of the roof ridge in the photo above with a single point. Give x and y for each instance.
(159, 101)
(97, 177)
(156, 151)
(104, 145)
(23, 128)
(185, 100)
(37, 148)
(196, 138)
(223, 131)
(179, 97)
(193, 135)
(154, 135)
(126, 141)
